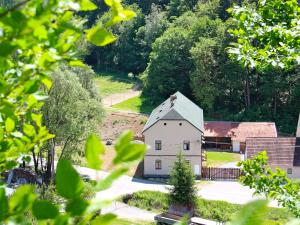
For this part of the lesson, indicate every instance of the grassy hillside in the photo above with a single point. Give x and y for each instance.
(111, 83)
(134, 104)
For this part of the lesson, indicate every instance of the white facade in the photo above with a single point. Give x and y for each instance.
(171, 137)
(236, 146)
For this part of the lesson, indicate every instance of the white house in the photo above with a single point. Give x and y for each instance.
(175, 125)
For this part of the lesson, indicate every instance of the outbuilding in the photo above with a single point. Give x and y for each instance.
(231, 136)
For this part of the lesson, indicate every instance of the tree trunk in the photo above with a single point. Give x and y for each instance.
(35, 162)
(247, 91)
(275, 105)
(50, 161)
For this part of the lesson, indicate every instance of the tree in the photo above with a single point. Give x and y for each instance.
(36, 36)
(275, 185)
(182, 179)
(169, 64)
(126, 54)
(178, 7)
(267, 35)
(72, 111)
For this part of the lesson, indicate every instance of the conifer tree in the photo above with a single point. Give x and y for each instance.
(182, 180)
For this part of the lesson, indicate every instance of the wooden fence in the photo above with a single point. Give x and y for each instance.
(211, 173)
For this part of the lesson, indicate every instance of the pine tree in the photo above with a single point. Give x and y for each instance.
(182, 180)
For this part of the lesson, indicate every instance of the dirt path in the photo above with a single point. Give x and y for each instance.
(119, 97)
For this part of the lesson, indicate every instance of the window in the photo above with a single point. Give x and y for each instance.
(157, 145)
(186, 145)
(158, 164)
(289, 171)
(180, 124)
(165, 124)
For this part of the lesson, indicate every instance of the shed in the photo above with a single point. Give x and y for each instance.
(232, 135)
(283, 152)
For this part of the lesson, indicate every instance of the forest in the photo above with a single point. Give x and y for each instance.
(182, 45)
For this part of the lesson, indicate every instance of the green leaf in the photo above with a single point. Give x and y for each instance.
(127, 151)
(77, 63)
(6, 49)
(124, 139)
(77, 206)
(29, 130)
(43, 209)
(86, 5)
(93, 149)
(109, 2)
(47, 82)
(9, 124)
(68, 181)
(99, 36)
(107, 181)
(31, 86)
(40, 32)
(22, 199)
(104, 219)
(3, 204)
(130, 153)
(127, 14)
(251, 213)
(61, 220)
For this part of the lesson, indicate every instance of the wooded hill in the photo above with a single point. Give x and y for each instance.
(181, 45)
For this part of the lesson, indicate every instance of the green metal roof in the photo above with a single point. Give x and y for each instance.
(182, 109)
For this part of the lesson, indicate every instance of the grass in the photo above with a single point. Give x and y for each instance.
(128, 222)
(207, 209)
(108, 83)
(220, 158)
(134, 104)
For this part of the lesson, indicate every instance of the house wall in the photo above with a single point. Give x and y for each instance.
(172, 136)
(295, 172)
(236, 146)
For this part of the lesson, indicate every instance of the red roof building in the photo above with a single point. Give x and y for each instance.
(282, 152)
(234, 134)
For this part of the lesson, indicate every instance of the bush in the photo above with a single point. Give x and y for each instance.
(216, 210)
(297, 182)
(149, 200)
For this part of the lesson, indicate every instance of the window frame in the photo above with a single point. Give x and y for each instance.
(157, 164)
(186, 145)
(158, 145)
(289, 171)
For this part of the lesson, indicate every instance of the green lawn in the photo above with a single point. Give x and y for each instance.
(127, 222)
(108, 83)
(207, 209)
(134, 104)
(219, 158)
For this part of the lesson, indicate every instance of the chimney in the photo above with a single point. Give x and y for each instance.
(172, 99)
(298, 128)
